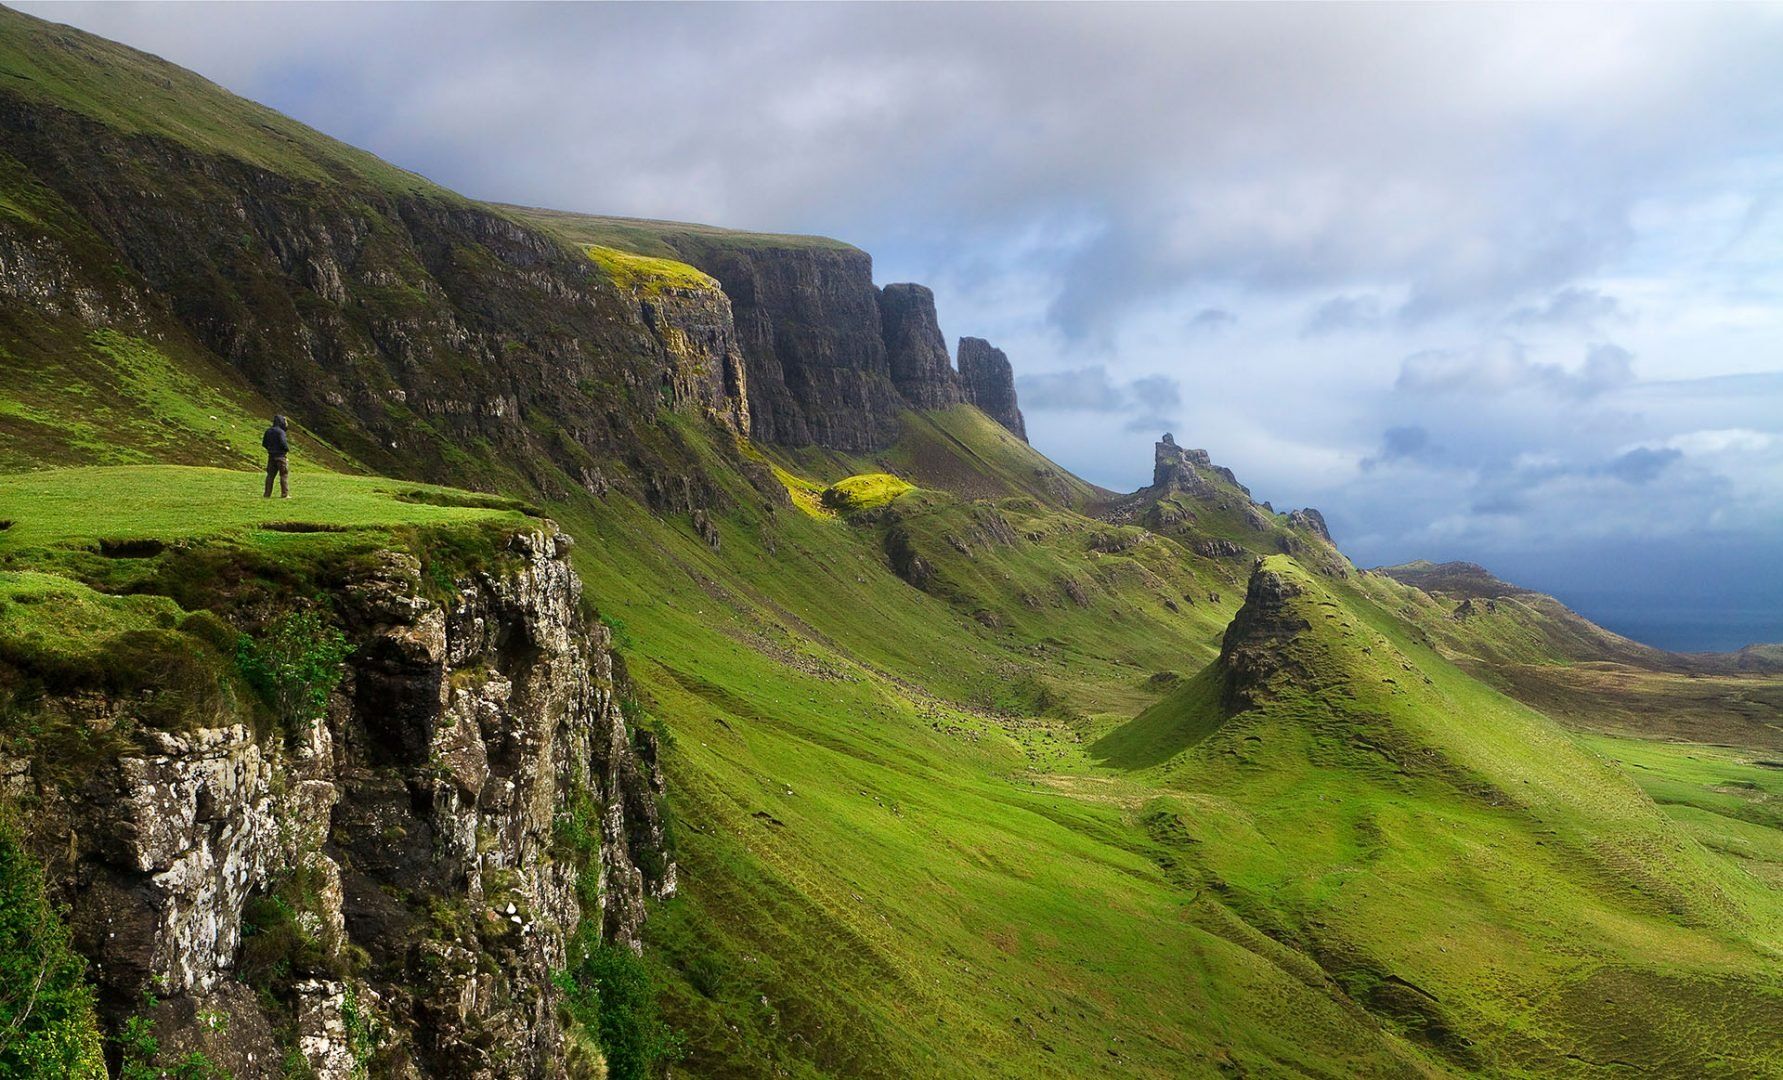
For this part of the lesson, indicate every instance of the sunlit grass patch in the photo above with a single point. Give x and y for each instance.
(866, 491)
(647, 274)
(117, 506)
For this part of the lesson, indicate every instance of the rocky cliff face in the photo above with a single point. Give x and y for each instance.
(915, 349)
(702, 357)
(808, 322)
(989, 383)
(397, 881)
(404, 326)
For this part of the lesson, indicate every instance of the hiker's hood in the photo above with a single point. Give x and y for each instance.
(278, 422)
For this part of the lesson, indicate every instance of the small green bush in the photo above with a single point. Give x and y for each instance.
(294, 665)
(47, 1024)
(139, 1049)
(609, 993)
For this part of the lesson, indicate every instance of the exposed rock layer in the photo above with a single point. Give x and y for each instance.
(808, 322)
(915, 349)
(422, 819)
(989, 383)
(402, 326)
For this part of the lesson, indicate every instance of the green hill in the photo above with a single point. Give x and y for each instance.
(968, 767)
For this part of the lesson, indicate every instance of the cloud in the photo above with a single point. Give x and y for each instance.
(1574, 307)
(1642, 465)
(1080, 390)
(1501, 365)
(1342, 313)
(1464, 157)
(1148, 402)
(1212, 319)
(1722, 441)
(1398, 444)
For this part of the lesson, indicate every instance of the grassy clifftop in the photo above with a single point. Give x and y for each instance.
(660, 239)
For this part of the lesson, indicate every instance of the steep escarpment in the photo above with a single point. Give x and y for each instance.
(832, 360)
(395, 875)
(691, 319)
(420, 333)
(808, 322)
(989, 383)
(915, 349)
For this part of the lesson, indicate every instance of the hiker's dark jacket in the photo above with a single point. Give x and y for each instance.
(277, 445)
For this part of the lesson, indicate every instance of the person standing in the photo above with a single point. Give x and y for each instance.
(278, 450)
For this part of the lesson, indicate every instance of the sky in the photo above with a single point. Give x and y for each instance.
(1493, 283)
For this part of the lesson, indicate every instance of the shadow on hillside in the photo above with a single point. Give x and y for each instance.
(1177, 721)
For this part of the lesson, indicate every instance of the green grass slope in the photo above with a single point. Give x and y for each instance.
(943, 831)
(661, 239)
(1489, 887)
(137, 93)
(951, 831)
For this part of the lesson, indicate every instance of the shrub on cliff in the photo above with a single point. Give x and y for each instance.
(609, 994)
(295, 664)
(47, 1025)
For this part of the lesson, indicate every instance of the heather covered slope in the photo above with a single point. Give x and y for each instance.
(972, 769)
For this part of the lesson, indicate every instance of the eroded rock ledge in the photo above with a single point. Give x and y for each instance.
(416, 835)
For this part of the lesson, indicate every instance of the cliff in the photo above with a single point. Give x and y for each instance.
(831, 360)
(691, 319)
(915, 349)
(808, 322)
(989, 383)
(396, 876)
(418, 332)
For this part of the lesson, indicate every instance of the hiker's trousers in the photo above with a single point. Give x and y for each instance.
(276, 467)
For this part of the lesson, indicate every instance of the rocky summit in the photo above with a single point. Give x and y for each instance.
(671, 663)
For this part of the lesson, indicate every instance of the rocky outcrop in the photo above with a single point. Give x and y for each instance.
(906, 561)
(1190, 471)
(398, 879)
(1260, 641)
(1310, 520)
(914, 348)
(989, 383)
